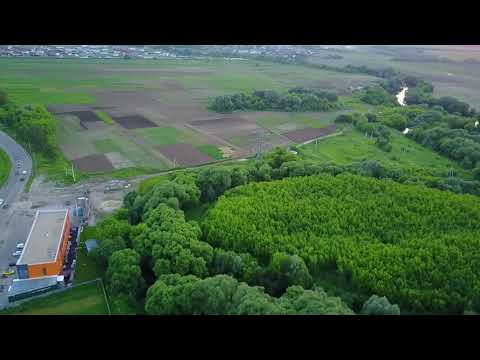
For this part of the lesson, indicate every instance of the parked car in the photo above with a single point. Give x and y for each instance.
(17, 253)
(5, 206)
(1, 202)
(8, 273)
(22, 179)
(11, 264)
(20, 246)
(24, 172)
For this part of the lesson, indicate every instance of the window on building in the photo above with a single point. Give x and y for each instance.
(44, 271)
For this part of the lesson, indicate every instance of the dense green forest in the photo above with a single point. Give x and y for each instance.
(295, 99)
(416, 246)
(363, 239)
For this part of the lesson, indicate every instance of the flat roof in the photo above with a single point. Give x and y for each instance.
(27, 285)
(44, 239)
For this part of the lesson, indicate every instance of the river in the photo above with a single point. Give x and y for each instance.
(401, 96)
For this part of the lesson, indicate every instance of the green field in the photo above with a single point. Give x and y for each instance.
(5, 166)
(82, 300)
(211, 150)
(354, 146)
(181, 88)
(106, 146)
(104, 116)
(71, 81)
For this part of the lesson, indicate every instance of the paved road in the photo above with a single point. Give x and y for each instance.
(14, 224)
(13, 186)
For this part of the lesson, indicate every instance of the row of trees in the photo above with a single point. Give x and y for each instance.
(377, 95)
(295, 99)
(422, 93)
(382, 236)
(224, 295)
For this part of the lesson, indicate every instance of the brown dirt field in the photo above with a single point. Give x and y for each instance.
(225, 125)
(147, 101)
(170, 85)
(306, 134)
(85, 116)
(184, 154)
(134, 122)
(93, 163)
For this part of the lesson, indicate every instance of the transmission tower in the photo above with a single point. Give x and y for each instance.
(259, 145)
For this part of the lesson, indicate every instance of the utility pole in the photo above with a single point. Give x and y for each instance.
(259, 143)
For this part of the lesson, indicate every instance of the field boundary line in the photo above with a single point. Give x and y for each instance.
(105, 295)
(320, 138)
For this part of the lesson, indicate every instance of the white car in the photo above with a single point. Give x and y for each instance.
(24, 172)
(1, 202)
(20, 246)
(17, 253)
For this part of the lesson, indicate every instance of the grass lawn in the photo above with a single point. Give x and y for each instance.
(104, 116)
(211, 150)
(167, 135)
(5, 167)
(83, 300)
(353, 146)
(86, 269)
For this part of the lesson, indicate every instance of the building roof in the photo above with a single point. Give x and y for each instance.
(45, 236)
(20, 286)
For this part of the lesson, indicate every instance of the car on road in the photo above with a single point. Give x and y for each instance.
(17, 253)
(22, 179)
(24, 172)
(1, 202)
(5, 206)
(12, 264)
(20, 246)
(8, 273)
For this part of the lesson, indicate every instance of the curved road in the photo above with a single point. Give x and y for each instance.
(14, 226)
(13, 186)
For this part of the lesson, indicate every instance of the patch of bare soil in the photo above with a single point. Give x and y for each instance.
(118, 160)
(306, 134)
(184, 154)
(134, 122)
(227, 151)
(225, 125)
(93, 163)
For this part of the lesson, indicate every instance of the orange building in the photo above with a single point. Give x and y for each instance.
(46, 245)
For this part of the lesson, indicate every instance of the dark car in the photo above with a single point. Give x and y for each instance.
(12, 264)
(5, 206)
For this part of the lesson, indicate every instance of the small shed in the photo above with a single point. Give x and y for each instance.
(91, 244)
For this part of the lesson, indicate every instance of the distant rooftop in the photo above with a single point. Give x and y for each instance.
(43, 241)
